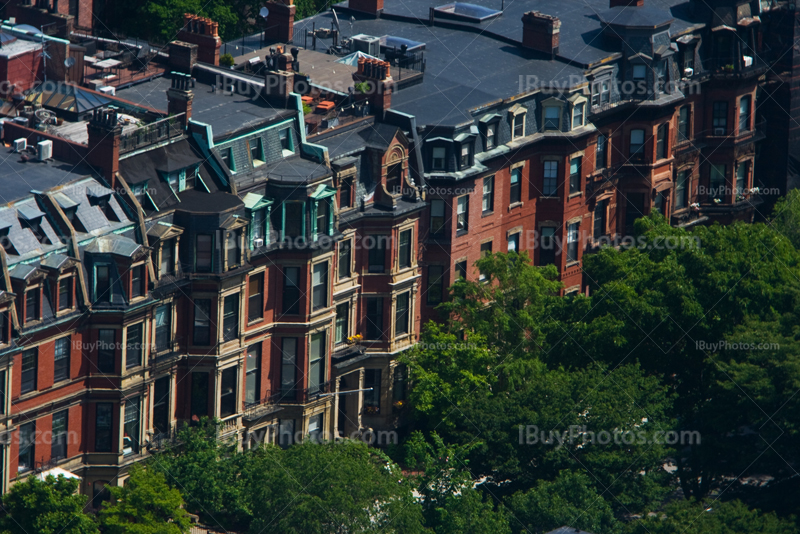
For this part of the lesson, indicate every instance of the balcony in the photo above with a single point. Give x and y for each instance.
(273, 400)
(152, 133)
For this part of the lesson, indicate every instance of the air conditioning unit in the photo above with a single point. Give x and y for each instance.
(107, 90)
(368, 44)
(44, 150)
(22, 121)
(719, 131)
(747, 61)
(258, 243)
(688, 72)
(20, 144)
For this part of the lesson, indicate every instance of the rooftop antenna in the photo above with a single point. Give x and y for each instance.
(263, 13)
(336, 21)
(45, 55)
(352, 20)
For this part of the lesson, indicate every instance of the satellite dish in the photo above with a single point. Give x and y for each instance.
(70, 61)
(264, 12)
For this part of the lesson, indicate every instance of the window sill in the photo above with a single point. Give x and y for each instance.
(487, 213)
(576, 194)
(515, 205)
(545, 197)
(255, 321)
(459, 233)
(573, 263)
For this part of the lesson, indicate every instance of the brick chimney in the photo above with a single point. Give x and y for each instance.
(182, 56)
(623, 3)
(280, 21)
(104, 141)
(373, 7)
(205, 34)
(540, 32)
(279, 78)
(179, 97)
(377, 75)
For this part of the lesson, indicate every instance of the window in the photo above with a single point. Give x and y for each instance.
(285, 432)
(515, 186)
(513, 242)
(486, 248)
(102, 288)
(134, 346)
(294, 223)
(437, 216)
(401, 314)
(399, 383)
(461, 269)
(547, 246)
(201, 334)
(438, 158)
(103, 426)
(32, 305)
(230, 318)
(605, 93)
(288, 368)
(167, 257)
(394, 179)
(342, 322)
(639, 72)
(199, 400)
(256, 151)
(323, 217)
(462, 213)
(661, 141)
(600, 219)
(575, 175)
(106, 350)
(491, 136)
(315, 432)
(465, 156)
(29, 369)
(27, 447)
(61, 359)
(377, 255)
(601, 151)
(58, 449)
(291, 290)
(3, 392)
(720, 118)
(64, 294)
(684, 124)
(435, 284)
(550, 183)
(232, 251)
(344, 259)
(258, 228)
(633, 210)
(316, 363)
(372, 399)
(681, 190)
(227, 158)
(203, 251)
(227, 392)
(137, 281)
(572, 242)
(741, 177)
(374, 318)
(519, 125)
(252, 392)
(255, 298)
(717, 181)
(319, 286)
(161, 406)
(744, 114)
(577, 115)
(404, 249)
(637, 143)
(487, 201)
(346, 193)
(287, 143)
(163, 327)
(552, 118)
(130, 436)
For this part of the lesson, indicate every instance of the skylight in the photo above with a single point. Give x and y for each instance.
(466, 12)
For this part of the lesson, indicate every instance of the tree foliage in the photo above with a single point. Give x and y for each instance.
(49, 506)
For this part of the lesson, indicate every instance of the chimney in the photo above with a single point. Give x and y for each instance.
(182, 56)
(378, 75)
(205, 34)
(373, 7)
(104, 141)
(179, 97)
(540, 32)
(280, 21)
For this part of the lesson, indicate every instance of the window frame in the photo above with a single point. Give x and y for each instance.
(201, 325)
(487, 197)
(573, 242)
(319, 289)
(550, 178)
(255, 297)
(30, 383)
(231, 326)
(515, 186)
(547, 122)
(373, 317)
(662, 141)
(438, 163)
(462, 214)
(575, 167)
(61, 359)
(402, 315)
(159, 331)
(405, 252)
(437, 222)
(291, 295)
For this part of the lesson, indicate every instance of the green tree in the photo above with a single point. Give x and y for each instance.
(46, 507)
(162, 19)
(569, 500)
(145, 505)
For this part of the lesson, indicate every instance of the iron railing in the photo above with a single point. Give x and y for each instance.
(152, 133)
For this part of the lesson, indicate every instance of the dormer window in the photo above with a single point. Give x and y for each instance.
(346, 193)
(227, 158)
(137, 281)
(323, 213)
(518, 114)
(257, 152)
(8, 246)
(102, 283)
(32, 298)
(491, 136)
(65, 293)
(233, 251)
(438, 155)
(552, 118)
(139, 191)
(167, 257)
(466, 156)
(394, 179)
(639, 72)
(577, 115)
(287, 142)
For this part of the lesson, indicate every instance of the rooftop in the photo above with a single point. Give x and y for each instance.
(18, 178)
